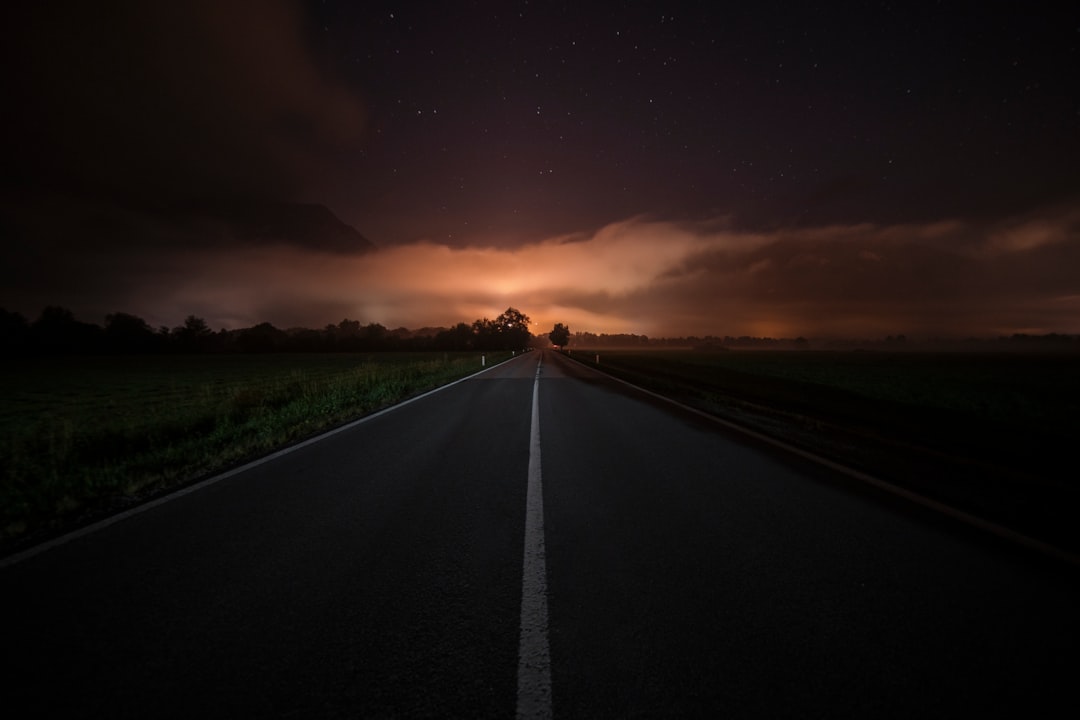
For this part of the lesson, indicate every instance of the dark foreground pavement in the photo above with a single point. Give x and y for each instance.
(378, 573)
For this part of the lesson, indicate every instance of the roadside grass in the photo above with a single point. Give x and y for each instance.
(80, 436)
(992, 434)
(1019, 389)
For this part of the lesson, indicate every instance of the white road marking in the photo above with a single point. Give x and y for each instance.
(534, 657)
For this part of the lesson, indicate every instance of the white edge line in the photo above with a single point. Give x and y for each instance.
(124, 515)
(973, 520)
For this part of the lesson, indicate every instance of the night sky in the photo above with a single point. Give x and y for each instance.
(664, 168)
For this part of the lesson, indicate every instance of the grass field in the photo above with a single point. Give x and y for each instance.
(1039, 390)
(992, 434)
(81, 436)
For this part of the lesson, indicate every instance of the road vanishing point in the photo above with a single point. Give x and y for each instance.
(536, 540)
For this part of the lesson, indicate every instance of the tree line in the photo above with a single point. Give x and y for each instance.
(57, 331)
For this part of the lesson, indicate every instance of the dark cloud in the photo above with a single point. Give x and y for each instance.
(133, 127)
(945, 279)
(710, 168)
(159, 100)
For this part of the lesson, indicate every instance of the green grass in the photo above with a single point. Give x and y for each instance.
(79, 436)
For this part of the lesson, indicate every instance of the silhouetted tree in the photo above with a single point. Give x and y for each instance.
(459, 337)
(560, 335)
(484, 334)
(346, 336)
(305, 340)
(57, 331)
(193, 336)
(126, 333)
(261, 338)
(14, 331)
(373, 337)
(512, 330)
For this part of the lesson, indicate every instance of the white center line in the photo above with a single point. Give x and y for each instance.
(534, 658)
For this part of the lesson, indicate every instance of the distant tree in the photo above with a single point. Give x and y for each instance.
(485, 334)
(196, 326)
(126, 333)
(193, 336)
(54, 330)
(14, 331)
(459, 337)
(373, 337)
(263, 337)
(304, 340)
(57, 331)
(560, 335)
(512, 328)
(509, 331)
(346, 335)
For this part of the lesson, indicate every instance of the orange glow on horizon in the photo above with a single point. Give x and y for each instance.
(664, 279)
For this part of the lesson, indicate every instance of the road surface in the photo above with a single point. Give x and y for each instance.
(670, 568)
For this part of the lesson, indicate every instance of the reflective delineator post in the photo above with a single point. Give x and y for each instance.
(598, 359)
(483, 362)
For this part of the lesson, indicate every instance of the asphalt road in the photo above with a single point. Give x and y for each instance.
(687, 572)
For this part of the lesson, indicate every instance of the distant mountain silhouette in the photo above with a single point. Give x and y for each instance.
(265, 222)
(60, 222)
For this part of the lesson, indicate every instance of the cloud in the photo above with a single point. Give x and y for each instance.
(1030, 233)
(164, 99)
(653, 277)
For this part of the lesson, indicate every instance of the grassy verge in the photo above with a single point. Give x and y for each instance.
(83, 436)
(991, 434)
